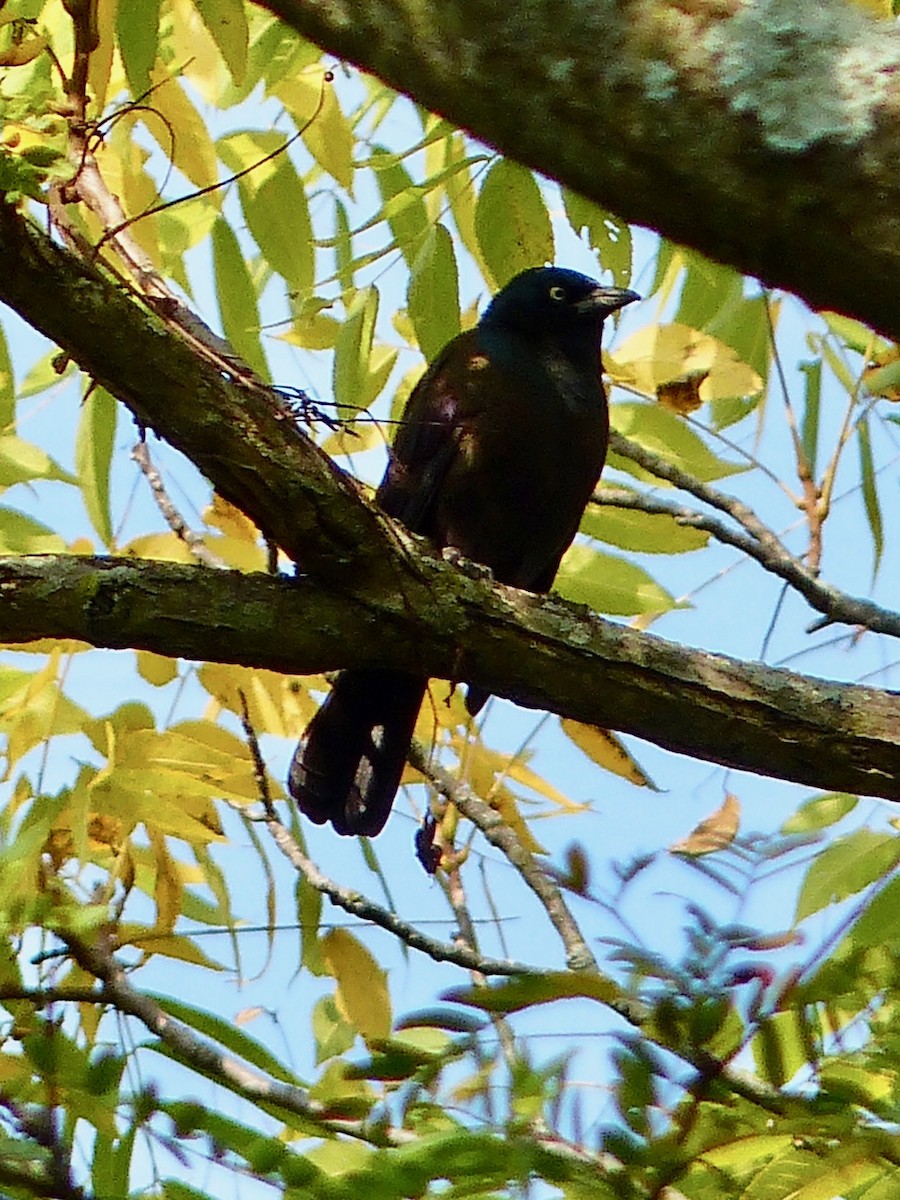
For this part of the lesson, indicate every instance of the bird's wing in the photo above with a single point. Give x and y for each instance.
(428, 438)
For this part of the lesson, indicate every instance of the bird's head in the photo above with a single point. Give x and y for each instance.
(555, 303)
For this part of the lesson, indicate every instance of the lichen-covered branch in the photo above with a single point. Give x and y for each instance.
(757, 131)
(540, 652)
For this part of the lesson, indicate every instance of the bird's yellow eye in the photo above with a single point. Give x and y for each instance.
(557, 293)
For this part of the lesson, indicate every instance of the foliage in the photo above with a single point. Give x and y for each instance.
(337, 224)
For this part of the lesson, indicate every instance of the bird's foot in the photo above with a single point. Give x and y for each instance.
(468, 566)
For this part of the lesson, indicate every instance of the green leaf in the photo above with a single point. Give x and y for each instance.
(780, 1048)
(812, 395)
(433, 295)
(93, 456)
(273, 199)
(870, 493)
(353, 352)
(24, 535)
(7, 388)
(22, 461)
(604, 233)
(709, 289)
(879, 925)
(343, 246)
(609, 584)
(237, 298)
(512, 223)
(229, 1035)
(226, 21)
(402, 205)
(820, 812)
(137, 32)
(542, 989)
(845, 868)
(645, 533)
(659, 430)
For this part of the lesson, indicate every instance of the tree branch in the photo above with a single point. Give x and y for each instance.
(540, 652)
(756, 132)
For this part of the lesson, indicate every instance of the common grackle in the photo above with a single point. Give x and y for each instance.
(498, 450)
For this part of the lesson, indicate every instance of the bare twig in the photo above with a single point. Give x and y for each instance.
(367, 910)
(836, 605)
(499, 834)
(199, 1053)
(176, 522)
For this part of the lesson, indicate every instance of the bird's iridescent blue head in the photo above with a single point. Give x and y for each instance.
(555, 302)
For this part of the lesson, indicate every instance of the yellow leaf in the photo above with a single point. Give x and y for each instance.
(657, 355)
(229, 519)
(362, 994)
(156, 668)
(607, 751)
(168, 890)
(715, 832)
(185, 136)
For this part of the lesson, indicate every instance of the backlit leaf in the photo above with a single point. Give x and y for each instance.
(657, 354)
(607, 751)
(362, 995)
(609, 584)
(137, 33)
(647, 533)
(353, 353)
(512, 223)
(93, 456)
(433, 295)
(226, 20)
(237, 298)
(667, 435)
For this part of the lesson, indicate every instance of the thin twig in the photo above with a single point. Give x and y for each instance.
(578, 954)
(176, 522)
(836, 605)
(367, 910)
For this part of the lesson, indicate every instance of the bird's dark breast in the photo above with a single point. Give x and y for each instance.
(519, 482)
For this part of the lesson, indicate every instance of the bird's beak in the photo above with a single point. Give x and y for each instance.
(607, 299)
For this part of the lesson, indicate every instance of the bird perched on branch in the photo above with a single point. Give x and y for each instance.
(498, 450)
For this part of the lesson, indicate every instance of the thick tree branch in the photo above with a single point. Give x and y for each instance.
(542, 653)
(757, 131)
(371, 599)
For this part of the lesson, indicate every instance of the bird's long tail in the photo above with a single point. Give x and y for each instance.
(347, 768)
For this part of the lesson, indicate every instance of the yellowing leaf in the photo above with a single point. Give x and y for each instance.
(362, 994)
(224, 516)
(512, 222)
(310, 99)
(156, 668)
(226, 21)
(715, 832)
(185, 136)
(658, 354)
(609, 584)
(657, 429)
(607, 751)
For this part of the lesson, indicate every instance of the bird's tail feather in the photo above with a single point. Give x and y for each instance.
(347, 768)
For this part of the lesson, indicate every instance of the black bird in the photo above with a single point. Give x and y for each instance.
(499, 448)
